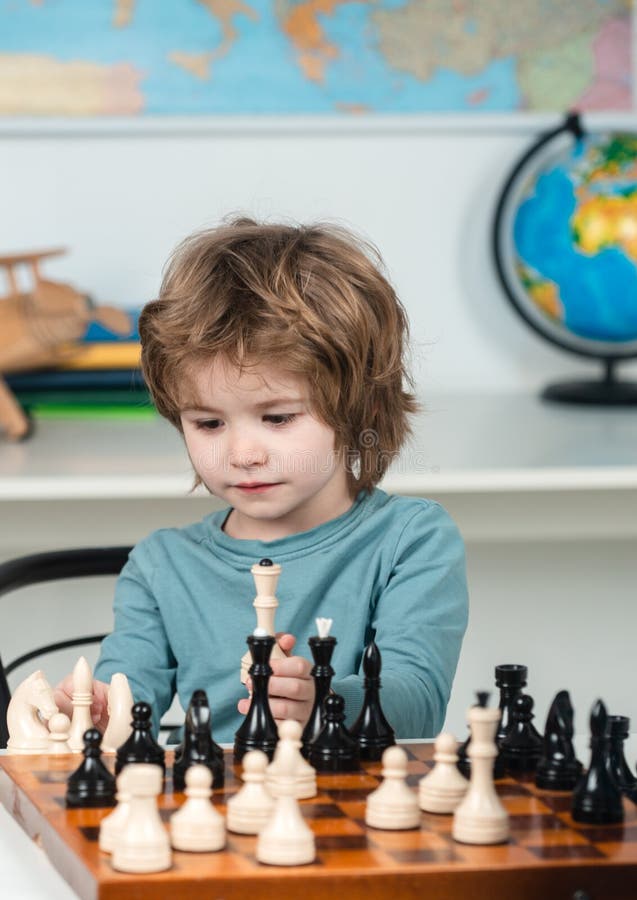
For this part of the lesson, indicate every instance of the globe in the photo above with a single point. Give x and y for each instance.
(565, 246)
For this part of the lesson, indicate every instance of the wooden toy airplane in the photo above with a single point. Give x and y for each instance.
(41, 328)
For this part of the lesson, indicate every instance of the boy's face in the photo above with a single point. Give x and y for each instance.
(255, 444)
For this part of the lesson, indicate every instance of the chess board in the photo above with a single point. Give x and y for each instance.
(548, 856)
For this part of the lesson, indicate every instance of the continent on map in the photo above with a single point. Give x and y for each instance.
(198, 64)
(41, 85)
(301, 22)
(123, 13)
(610, 87)
(546, 38)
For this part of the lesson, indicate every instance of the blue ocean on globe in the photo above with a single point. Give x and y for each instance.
(575, 240)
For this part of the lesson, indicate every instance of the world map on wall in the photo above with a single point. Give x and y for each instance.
(246, 57)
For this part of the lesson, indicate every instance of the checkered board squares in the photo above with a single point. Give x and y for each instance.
(547, 849)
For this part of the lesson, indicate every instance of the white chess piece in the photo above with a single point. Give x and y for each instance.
(265, 603)
(481, 818)
(250, 808)
(120, 704)
(111, 826)
(197, 826)
(27, 731)
(286, 840)
(393, 805)
(304, 774)
(143, 844)
(59, 726)
(82, 698)
(442, 789)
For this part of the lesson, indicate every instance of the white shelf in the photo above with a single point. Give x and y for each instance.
(507, 466)
(461, 443)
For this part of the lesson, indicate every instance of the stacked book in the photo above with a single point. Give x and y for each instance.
(99, 378)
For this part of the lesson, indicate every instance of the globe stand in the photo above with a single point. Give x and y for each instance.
(607, 392)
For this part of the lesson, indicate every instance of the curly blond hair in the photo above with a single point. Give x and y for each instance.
(309, 299)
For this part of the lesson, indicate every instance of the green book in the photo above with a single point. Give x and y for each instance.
(89, 411)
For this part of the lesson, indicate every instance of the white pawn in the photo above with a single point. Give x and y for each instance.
(304, 775)
(442, 789)
(111, 826)
(250, 808)
(59, 725)
(393, 805)
(143, 844)
(197, 826)
(120, 704)
(81, 699)
(481, 818)
(286, 840)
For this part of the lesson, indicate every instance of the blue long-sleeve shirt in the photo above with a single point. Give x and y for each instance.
(390, 567)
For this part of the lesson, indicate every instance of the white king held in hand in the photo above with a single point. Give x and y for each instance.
(266, 576)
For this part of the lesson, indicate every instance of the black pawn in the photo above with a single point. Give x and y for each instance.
(510, 679)
(618, 731)
(258, 731)
(464, 760)
(522, 746)
(140, 746)
(198, 746)
(597, 799)
(91, 785)
(558, 768)
(322, 672)
(371, 729)
(334, 750)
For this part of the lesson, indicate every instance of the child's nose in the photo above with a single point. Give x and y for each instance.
(245, 454)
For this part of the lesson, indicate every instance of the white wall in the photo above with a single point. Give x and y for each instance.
(422, 191)
(425, 196)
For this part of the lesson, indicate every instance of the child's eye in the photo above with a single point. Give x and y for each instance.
(282, 419)
(208, 424)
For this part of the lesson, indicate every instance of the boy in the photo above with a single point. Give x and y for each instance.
(278, 352)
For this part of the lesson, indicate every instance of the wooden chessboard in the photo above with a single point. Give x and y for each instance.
(548, 856)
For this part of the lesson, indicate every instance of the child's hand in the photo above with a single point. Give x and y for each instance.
(291, 687)
(63, 694)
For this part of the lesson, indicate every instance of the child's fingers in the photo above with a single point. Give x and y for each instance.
(283, 709)
(292, 667)
(285, 641)
(63, 695)
(99, 706)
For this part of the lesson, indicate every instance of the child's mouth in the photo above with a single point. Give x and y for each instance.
(255, 487)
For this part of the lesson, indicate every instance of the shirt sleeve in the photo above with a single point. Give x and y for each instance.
(138, 645)
(418, 623)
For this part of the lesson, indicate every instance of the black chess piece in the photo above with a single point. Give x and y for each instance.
(322, 672)
(140, 746)
(618, 731)
(198, 746)
(371, 729)
(511, 679)
(558, 769)
(464, 760)
(91, 785)
(597, 799)
(258, 731)
(334, 749)
(522, 746)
